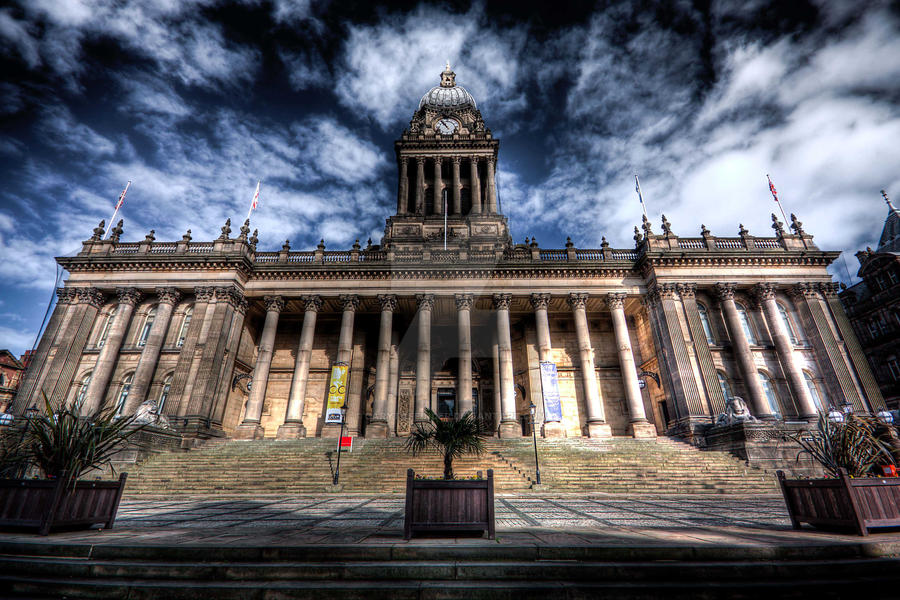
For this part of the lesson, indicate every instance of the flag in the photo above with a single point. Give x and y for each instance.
(637, 188)
(255, 201)
(121, 200)
(772, 188)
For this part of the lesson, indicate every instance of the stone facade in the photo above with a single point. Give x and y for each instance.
(447, 313)
(11, 370)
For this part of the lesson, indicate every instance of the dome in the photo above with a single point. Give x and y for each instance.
(447, 94)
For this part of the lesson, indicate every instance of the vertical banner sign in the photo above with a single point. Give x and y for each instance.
(337, 393)
(550, 387)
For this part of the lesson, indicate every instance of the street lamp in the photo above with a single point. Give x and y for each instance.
(835, 416)
(537, 466)
(885, 416)
(846, 407)
(337, 470)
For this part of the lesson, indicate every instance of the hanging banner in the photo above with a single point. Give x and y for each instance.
(337, 393)
(550, 388)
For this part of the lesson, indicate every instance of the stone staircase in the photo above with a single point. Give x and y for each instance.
(618, 465)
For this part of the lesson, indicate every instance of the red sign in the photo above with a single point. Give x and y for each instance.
(347, 442)
(889, 470)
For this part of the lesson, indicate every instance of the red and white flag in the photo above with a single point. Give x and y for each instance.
(121, 200)
(255, 201)
(772, 189)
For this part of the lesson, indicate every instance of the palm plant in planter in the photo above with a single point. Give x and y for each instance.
(449, 504)
(62, 445)
(847, 450)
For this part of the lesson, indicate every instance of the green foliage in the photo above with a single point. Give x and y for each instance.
(61, 442)
(453, 438)
(855, 445)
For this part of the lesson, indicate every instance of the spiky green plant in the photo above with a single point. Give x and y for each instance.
(854, 444)
(453, 438)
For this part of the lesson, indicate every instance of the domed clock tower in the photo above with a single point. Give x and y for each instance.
(446, 194)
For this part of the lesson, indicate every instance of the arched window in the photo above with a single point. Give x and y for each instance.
(148, 323)
(769, 390)
(182, 333)
(814, 391)
(164, 394)
(745, 323)
(726, 387)
(123, 394)
(786, 320)
(82, 389)
(704, 320)
(104, 333)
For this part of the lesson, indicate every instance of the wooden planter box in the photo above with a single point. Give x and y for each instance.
(437, 505)
(45, 504)
(860, 504)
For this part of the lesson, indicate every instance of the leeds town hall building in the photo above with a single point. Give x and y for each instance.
(447, 313)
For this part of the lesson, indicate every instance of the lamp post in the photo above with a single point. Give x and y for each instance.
(337, 470)
(885, 416)
(537, 466)
(835, 416)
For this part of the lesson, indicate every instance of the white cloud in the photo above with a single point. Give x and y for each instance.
(15, 33)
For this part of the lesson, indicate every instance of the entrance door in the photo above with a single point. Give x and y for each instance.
(446, 400)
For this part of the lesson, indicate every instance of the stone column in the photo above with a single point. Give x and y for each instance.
(596, 419)
(143, 375)
(106, 361)
(509, 424)
(498, 401)
(349, 304)
(491, 187)
(403, 186)
(423, 357)
(393, 384)
(714, 395)
(464, 370)
(250, 429)
(438, 188)
(540, 303)
(225, 375)
(742, 353)
(474, 185)
(188, 358)
(638, 425)
(379, 428)
(420, 185)
(457, 205)
(293, 418)
(765, 294)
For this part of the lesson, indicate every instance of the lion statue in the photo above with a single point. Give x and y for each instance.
(736, 411)
(148, 414)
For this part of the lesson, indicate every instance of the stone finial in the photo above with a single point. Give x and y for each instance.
(704, 231)
(117, 231)
(245, 230)
(254, 238)
(150, 237)
(638, 238)
(603, 243)
(321, 245)
(186, 237)
(286, 246)
(369, 244)
(777, 225)
(356, 245)
(666, 226)
(569, 243)
(887, 200)
(796, 225)
(226, 230)
(99, 231)
(648, 230)
(534, 243)
(742, 231)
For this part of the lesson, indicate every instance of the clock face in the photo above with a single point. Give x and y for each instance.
(446, 126)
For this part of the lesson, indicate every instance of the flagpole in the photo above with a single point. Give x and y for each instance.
(637, 188)
(119, 203)
(775, 196)
(254, 201)
(444, 194)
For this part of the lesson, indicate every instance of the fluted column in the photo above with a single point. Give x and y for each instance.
(457, 206)
(742, 353)
(393, 384)
(423, 357)
(293, 418)
(464, 336)
(420, 185)
(250, 428)
(378, 428)
(106, 361)
(540, 303)
(765, 294)
(638, 425)
(403, 187)
(509, 425)
(474, 185)
(710, 379)
(498, 399)
(143, 375)
(596, 419)
(437, 185)
(491, 187)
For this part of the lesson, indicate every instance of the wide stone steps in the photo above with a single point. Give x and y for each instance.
(379, 466)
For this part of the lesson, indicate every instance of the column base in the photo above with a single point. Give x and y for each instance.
(510, 429)
(249, 431)
(291, 431)
(554, 429)
(377, 429)
(598, 430)
(332, 430)
(642, 429)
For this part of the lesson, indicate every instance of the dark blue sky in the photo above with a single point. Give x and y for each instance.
(194, 101)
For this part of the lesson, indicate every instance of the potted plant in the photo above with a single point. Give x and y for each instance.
(848, 449)
(449, 504)
(60, 445)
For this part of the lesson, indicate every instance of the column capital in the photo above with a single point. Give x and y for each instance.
(830, 289)
(616, 300)
(456, 159)
(463, 301)
(129, 295)
(501, 301)
(437, 160)
(311, 303)
(425, 301)
(725, 291)
(168, 295)
(274, 303)
(763, 291)
(474, 158)
(204, 293)
(232, 296)
(241, 304)
(686, 290)
(540, 301)
(802, 290)
(420, 161)
(388, 302)
(576, 300)
(491, 160)
(349, 301)
(91, 296)
(667, 290)
(66, 295)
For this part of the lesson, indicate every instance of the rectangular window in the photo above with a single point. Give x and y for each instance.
(894, 366)
(446, 399)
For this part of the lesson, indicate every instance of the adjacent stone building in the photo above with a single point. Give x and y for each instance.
(447, 313)
(11, 370)
(873, 306)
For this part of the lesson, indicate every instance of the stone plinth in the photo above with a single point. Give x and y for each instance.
(642, 429)
(249, 431)
(510, 429)
(291, 431)
(554, 429)
(764, 445)
(598, 430)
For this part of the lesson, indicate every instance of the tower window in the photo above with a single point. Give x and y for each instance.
(429, 200)
(465, 200)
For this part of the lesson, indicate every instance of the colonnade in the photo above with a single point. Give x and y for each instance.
(481, 204)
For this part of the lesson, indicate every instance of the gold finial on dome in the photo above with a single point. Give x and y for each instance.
(448, 77)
